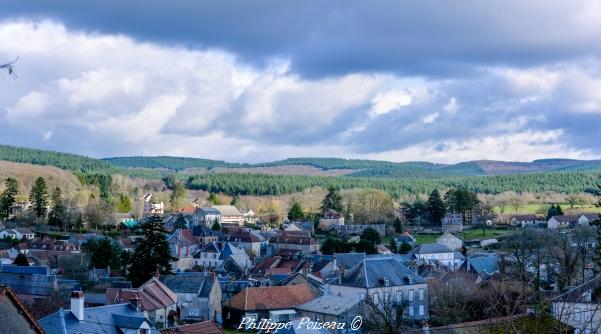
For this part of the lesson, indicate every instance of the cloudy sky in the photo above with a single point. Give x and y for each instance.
(263, 80)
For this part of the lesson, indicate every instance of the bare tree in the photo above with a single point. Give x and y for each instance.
(10, 67)
(455, 298)
(383, 313)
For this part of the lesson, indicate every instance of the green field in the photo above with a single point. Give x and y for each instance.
(541, 209)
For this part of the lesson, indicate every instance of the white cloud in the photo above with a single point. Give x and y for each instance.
(112, 95)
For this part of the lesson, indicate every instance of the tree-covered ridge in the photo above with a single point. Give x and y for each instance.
(68, 161)
(170, 163)
(373, 168)
(262, 184)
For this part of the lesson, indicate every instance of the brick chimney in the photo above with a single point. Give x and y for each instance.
(77, 308)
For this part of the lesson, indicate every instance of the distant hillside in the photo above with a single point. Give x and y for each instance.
(27, 173)
(364, 168)
(66, 161)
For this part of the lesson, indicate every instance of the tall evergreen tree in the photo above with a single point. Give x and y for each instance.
(58, 214)
(21, 260)
(461, 201)
(104, 252)
(39, 197)
(436, 207)
(152, 254)
(178, 195)
(123, 203)
(296, 212)
(332, 200)
(7, 199)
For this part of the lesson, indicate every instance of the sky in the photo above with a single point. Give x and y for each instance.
(265, 80)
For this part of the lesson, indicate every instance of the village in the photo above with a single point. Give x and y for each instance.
(226, 270)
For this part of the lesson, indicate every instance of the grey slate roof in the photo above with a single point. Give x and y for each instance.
(39, 270)
(431, 249)
(349, 260)
(35, 285)
(373, 271)
(330, 304)
(197, 283)
(96, 320)
(484, 264)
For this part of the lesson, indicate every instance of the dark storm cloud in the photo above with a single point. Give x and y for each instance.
(333, 37)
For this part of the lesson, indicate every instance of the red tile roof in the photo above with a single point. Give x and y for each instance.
(153, 295)
(271, 297)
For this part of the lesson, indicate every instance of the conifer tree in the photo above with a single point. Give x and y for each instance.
(39, 197)
(152, 254)
(332, 200)
(7, 199)
(59, 210)
(295, 212)
(436, 207)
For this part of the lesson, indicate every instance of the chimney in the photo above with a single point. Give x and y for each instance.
(77, 304)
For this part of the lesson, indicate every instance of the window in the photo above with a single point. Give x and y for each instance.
(399, 296)
(376, 298)
(421, 294)
(421, 310)
(411, 311)
(410, 295)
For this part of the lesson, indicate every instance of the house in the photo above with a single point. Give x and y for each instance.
(235, 260)
(151, 208)
(580, 307)
(437, 253)
(381, 277)
(275, 303)
(587, 219)
(357, 229)
(562, 221)
(450, 240)
(483, 265)
(14, 316)
(452, 222)
(17, 233)
(110, 319)
(30, 288)
(251, 242)
(405, 238)
(302, 277)
(300, 226)
(525, 220)
(154, 298)
(198, 295)
(331, 308)
(206, 217)
(182, 243)
(329, 219)
(230, 215)
(203, 327)
(305, 244)
(208, 256)
(249, 216)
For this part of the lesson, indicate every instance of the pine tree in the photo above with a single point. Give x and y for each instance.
(123, 203)
(7, 199)
(332, 200)
(152, 254)
(436, 207)
(295, 212)
(405, 248)
(39, 197)
(58, 213)
(178, 195)
(216, 226)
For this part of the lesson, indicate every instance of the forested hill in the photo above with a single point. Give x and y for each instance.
(374, 168)
(68, 161)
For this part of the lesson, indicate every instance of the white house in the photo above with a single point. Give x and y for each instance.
(580, 307)
(562, 221)
(525, 220)
(434, 253)
(586, 219)
(206, 217)
(383, 277)
(17, 233)
(450, 240)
